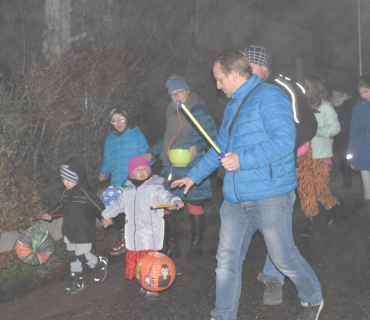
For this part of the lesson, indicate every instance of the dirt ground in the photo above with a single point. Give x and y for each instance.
(340, 256)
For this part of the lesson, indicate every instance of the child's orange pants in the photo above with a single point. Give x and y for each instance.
(313, 184)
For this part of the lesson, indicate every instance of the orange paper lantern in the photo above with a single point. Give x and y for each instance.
(155, 271)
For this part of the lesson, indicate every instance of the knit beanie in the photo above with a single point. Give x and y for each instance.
(176, 82)
(117, 108)
(137, 161)
(338, 86)
(68, 174)
(257, 55)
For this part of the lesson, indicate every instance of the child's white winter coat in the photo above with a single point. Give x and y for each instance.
(136, 203)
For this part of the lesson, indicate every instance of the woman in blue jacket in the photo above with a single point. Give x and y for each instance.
(124, 141)
(187, 138)
(359, 140)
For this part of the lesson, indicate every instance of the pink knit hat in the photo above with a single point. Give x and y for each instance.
(137, 161)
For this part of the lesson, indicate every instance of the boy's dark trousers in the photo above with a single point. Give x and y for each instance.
(119, 224)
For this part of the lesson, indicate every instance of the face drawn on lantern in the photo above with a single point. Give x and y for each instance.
(155, 271)
(165, 278)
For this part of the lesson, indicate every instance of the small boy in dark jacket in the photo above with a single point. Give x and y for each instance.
(80, 206)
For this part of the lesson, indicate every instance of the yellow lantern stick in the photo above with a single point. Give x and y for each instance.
(164, 206)
(221, 154)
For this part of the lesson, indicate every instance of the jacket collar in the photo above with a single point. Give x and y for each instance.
(244, 89)
(154, 179)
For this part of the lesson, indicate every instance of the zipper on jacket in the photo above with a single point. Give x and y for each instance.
(236, 195)
(135, 219)
(271, 177)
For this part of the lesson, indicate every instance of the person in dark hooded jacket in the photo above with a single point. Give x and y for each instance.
(343, 104)
(80, 206)
(306, 128)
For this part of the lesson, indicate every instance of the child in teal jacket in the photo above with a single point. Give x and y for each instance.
(124, 142)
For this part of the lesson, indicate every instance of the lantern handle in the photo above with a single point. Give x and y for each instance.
(39, 218)
(164, 206)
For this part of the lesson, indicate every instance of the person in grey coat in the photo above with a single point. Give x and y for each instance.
(182, 133)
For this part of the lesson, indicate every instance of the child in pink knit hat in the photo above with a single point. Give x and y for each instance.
(137, 162)
(144, 228)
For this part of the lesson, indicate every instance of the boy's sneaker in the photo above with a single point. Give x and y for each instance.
(309, 312)
(273, 291)
(100, 269)
(76, 283)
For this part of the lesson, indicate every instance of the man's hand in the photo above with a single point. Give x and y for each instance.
(231, 161)
(195, 151)
(187, 182)
(46, 217)
(148, 157)
(106, 222)
(102, 177)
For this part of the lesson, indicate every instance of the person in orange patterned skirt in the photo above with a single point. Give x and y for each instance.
(314, 159)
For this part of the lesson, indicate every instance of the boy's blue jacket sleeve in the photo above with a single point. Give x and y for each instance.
(105, 168)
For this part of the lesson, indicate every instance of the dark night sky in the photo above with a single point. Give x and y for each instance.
(334, 26)
(332, 23)
(335, 16)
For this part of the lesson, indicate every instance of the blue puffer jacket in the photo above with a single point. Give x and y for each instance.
(203, 189)
(359, 136)
(264, 137)
(119, 150)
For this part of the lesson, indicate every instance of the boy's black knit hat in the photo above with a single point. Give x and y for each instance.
(338, 85)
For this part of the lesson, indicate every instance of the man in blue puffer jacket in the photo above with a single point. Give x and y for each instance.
(258, 187)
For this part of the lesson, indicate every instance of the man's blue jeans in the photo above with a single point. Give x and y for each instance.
(273, 218)
(270, 270)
